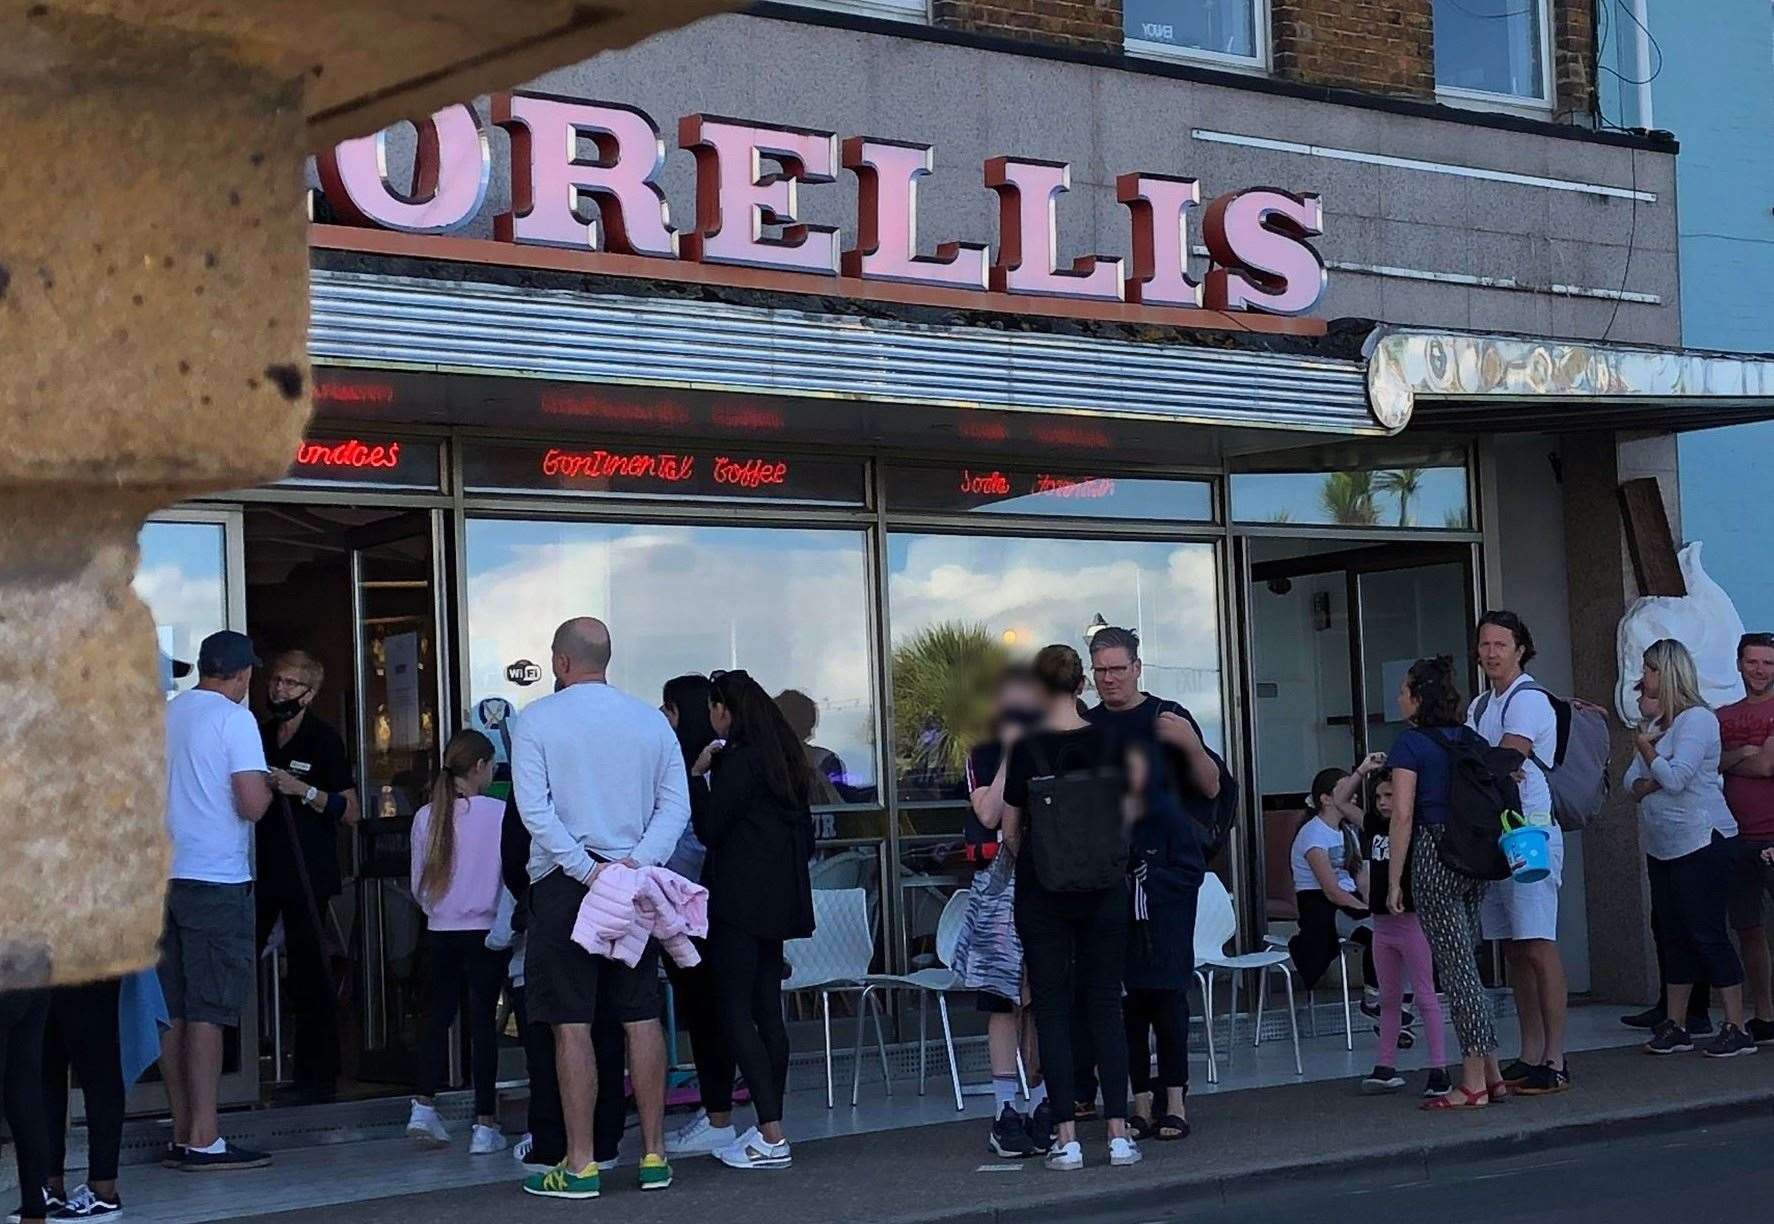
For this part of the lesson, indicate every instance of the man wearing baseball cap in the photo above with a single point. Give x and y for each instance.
(215, 792)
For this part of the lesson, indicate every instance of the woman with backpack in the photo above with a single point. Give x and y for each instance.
(1685, 829)
(1062, 814)
(1446, 900)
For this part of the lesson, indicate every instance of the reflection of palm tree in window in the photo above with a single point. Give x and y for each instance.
(943, 679)
(1404, 484)
(1348, 497)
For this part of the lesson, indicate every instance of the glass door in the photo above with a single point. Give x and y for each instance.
(189, 573)
(1405, 614)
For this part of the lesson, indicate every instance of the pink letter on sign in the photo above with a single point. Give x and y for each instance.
(549, 178)
(1028, 235)
(1160, 207)
(887, 174)
(451, 167)
(1257, 241)
(736, 200)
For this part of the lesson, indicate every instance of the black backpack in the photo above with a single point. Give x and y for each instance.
(1481, 787)
(1077, 834)
(1213, 818)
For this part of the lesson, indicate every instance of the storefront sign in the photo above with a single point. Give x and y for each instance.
(584, 176)
(997, 490)
(614, 471)
(381, 462)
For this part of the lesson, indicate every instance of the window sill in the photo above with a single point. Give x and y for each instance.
(1495, 103)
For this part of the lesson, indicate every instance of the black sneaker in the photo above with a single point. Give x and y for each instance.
(1669, 1038)
(172, 1156)
(52, 1203)
(230, 1157)
(1518, 1072)
(1650, 1018)
(1542, 1081)
(1760, 1031)
(1382, 1080)
(83, 1204)
(1438, 1083)
(1700, 1026)
(1010, 1136)
(1040, 1127)
(1730, 1043)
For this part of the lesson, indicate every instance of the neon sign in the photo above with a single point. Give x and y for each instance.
(747, 209)
(1046, 485)
(350, 453)
(603, 465)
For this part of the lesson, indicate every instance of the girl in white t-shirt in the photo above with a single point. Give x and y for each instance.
(1328, 870)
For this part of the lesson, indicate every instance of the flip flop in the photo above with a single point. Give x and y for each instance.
(1177, 1127)
(1140, 1128)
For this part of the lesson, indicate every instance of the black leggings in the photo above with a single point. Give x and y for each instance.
(454, 960)
(747, 974)
(1690, 894)
(1075, 941)
(82, 1034)
(1317, 945)
(22, 1016)
(693, 995)
(1166, 1014)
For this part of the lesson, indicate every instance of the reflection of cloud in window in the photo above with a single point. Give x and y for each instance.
(1048, 591)
(190, 604)
(788, 606)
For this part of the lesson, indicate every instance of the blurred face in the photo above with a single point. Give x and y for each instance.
(1498, 655)
(1383, 800)
(1117, 677)
(721, 718)
(1020, 702)
(1407, 699)
(1756, 665)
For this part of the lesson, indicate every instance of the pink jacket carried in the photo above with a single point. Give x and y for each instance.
(626, 906)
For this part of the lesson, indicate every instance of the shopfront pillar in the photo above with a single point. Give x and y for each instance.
(1622, 960)
(153, 320)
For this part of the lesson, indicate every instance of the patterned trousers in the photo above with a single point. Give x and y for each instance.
(1447, 903)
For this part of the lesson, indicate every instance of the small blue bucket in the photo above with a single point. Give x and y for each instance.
(1528, 850)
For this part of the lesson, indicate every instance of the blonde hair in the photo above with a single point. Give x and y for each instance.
(312, 671)
(1678, 679)
(466, 749)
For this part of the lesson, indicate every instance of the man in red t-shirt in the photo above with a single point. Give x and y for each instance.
(1746, 733)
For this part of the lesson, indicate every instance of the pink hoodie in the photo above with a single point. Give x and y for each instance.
(626, 906)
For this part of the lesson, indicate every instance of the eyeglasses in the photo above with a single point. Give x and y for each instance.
(285, 683)
(1112, 672)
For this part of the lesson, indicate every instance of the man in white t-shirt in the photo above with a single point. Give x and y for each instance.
(1512, 712)
(216, 791)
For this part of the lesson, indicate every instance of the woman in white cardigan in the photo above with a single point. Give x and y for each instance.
(1684, 828)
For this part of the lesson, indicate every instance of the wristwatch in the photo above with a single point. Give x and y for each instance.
(308, 797)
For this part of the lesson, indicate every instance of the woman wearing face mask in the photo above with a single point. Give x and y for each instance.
(1685, 829)
(988, 954)
(456, 880)
(758, 828)
(685, 706)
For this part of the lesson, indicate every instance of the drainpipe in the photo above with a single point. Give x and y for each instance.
(1642, 61)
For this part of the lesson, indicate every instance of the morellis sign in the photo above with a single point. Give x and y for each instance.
(584, 177)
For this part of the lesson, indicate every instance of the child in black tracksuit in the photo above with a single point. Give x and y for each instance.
(1167, 868)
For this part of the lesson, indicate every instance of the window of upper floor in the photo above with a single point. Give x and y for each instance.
(1225, 33)
(1494, 54)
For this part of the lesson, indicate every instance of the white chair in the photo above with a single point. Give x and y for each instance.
(1279, 943)
(835, 960)
(937, 981)
(1215, 925)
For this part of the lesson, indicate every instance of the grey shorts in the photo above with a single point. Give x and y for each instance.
(1752, 881)
(206, 951)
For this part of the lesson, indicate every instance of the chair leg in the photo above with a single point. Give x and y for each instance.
(825, 1008)
(1213, 1061)
(948, 1041)
(1262, 990)
(862, 1006)
(1022, 1072)
(881, 1047)
(1348, 1021)
(1231, 1016)
(1293, 1017)
(923, 1043)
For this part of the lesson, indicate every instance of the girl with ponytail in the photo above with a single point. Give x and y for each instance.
(456, 881)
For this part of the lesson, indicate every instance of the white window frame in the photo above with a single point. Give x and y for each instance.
(1256, 63)
(915, 11)
(1485, 100)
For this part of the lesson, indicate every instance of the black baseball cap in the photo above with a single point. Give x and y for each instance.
(226, 653)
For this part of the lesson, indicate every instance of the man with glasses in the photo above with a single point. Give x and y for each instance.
(1746, 733)
(312, 777)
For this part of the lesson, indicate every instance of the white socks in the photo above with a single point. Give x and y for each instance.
(1004, 1092)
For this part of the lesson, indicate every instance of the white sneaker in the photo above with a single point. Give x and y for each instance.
(700, 1137)
(1065, 1157)
(520, 1152)
(753, 1151)
(424, 1125)
(604, 1166)
(486, 1140)
(1124, 1151)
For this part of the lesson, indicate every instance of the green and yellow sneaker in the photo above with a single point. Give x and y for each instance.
(559, 1183)
(655, 1173)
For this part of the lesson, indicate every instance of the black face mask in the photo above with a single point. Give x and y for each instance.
(283, 711)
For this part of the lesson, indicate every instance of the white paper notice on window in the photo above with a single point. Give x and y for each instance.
(400, 660)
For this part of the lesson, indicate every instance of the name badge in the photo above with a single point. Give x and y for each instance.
(300, 767)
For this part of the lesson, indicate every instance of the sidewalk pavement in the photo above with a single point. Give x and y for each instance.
(1298, 1132)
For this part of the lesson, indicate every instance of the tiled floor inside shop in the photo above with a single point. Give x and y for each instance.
(348, 1171)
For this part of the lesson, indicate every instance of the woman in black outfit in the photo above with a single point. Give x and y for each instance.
(758, 829)
(1071, 940)
(83, 1034)
(22, 1016)
(685, 706)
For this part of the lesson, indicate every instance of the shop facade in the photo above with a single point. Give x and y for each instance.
(858, 488)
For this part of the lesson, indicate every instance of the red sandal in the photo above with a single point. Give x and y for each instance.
(1466, 1100)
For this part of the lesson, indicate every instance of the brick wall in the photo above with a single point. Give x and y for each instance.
(1573, 60)
(1093, 24)
(1382, 46)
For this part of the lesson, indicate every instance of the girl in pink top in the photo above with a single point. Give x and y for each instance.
(456, 882)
